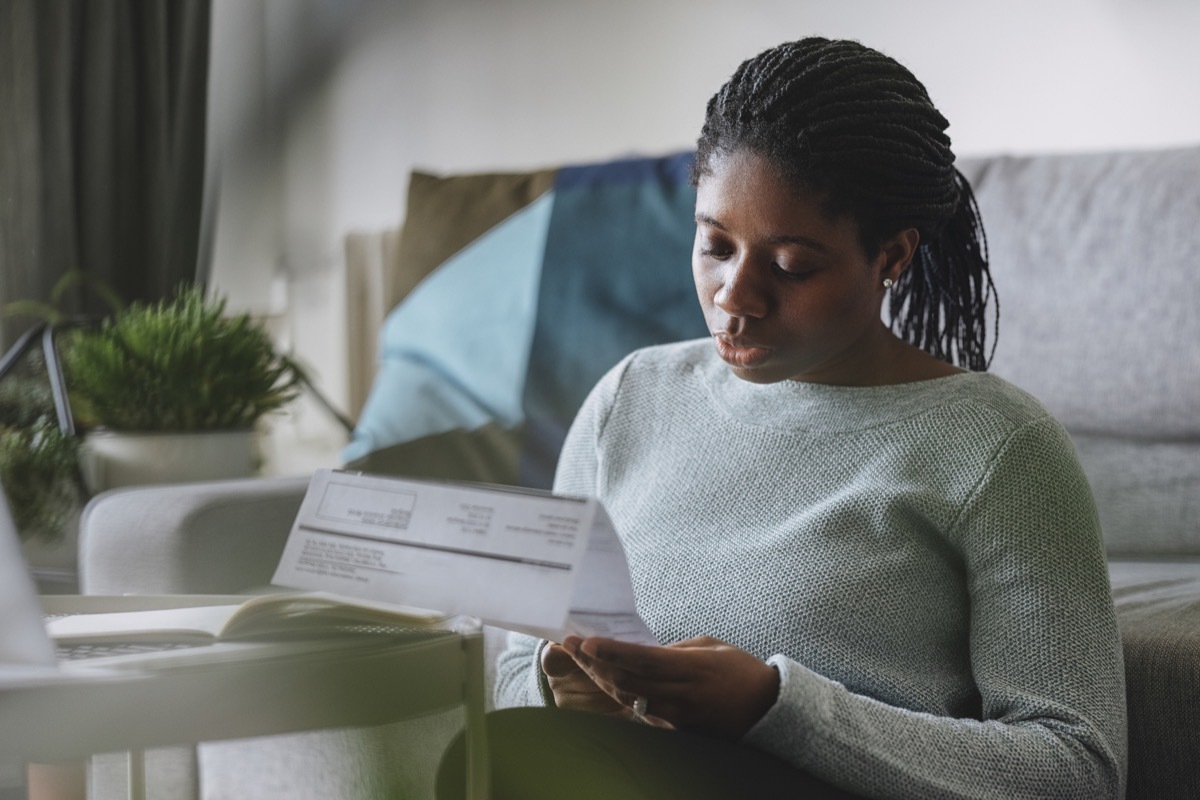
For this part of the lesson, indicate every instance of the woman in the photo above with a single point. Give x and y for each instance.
(875, 573)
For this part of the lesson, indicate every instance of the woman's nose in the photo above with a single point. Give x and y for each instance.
(741, 293)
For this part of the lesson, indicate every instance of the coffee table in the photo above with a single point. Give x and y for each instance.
(269, 688)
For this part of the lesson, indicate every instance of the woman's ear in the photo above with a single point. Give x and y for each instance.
(897, 253)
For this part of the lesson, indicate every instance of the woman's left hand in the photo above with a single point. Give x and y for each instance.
(702, 684)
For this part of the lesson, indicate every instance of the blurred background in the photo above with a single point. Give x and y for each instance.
(292, 123)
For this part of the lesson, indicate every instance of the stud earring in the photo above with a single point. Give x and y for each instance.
(887, 283)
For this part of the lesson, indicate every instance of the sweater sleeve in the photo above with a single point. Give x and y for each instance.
(519, 678)
(1045, 653)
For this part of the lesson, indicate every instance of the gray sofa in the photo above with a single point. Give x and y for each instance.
(1096, 259)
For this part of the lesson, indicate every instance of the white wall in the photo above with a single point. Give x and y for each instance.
(349, 95)
(463, 85)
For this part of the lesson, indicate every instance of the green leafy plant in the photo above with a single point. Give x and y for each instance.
(178, 365)
(38, 462)
(38, 467)
(25, 398)
(52, 311)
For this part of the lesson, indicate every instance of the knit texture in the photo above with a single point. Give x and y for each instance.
(922, 563)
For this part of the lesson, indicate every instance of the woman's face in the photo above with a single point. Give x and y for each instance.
(788, 291)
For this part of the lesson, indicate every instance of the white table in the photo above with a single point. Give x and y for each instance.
(350, 681)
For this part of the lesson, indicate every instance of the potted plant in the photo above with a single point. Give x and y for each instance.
(39, 470)
(173, 391)
(38, 462)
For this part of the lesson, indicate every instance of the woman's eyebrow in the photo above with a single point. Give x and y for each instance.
(803, 241)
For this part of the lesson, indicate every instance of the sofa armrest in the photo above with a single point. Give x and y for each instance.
(213, 537)
(1158, 608)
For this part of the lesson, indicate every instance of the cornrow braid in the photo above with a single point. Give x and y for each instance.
(856, 127)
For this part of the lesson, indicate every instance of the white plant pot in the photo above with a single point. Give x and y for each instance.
(111, 458)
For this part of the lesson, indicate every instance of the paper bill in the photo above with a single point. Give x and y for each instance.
(514, 558)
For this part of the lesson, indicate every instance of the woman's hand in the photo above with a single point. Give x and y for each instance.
(701, 684)
(572, 688)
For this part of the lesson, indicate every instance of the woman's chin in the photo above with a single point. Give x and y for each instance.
(764, 373)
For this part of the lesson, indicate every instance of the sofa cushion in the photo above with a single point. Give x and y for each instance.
(1158, 608)
(1147, 493)
(447, 213)
(487, 360)
(616, 276)
(453, 355)
(1094, 258)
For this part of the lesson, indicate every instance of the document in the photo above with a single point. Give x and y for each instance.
(515, 558)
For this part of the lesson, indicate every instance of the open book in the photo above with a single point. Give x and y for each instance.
(289, 614)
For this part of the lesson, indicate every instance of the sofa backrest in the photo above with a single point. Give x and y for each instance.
(1096, 259)
(561, 272)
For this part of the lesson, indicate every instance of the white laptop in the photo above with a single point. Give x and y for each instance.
(23, 639)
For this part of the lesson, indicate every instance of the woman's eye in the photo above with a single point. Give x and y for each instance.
(796, 271)
(719, 253)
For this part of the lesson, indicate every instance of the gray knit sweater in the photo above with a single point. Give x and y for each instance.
(922, 563)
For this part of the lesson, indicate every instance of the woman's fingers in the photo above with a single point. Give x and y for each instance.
(556, 661)
(573, 688)
(628, 667)
(701, 684)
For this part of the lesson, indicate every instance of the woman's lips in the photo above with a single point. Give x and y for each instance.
(739, 352)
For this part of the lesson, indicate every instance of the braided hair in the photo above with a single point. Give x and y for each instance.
(858, 129)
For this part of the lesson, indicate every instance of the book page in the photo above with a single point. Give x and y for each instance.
(201, 623)
(292, 614)
(309, 613)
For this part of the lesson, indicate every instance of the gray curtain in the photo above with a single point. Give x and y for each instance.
(102, 119)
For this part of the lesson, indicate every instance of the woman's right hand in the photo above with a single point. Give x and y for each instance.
(573, 689)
